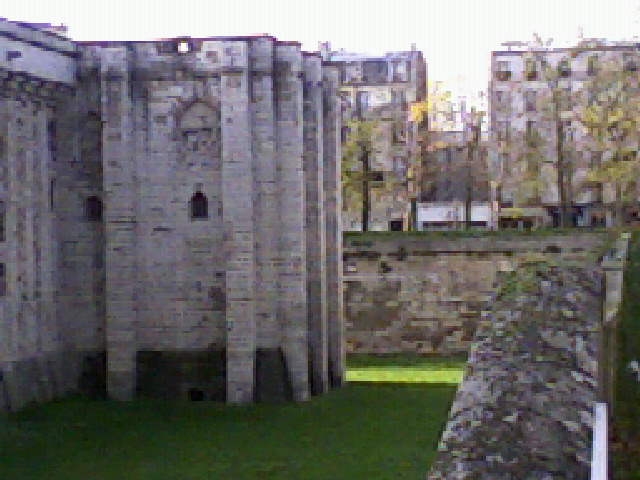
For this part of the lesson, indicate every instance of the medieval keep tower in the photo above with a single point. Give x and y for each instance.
(169, 218)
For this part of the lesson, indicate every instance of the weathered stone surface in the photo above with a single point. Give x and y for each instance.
(171, 196)
(524, 409)
(431, 294)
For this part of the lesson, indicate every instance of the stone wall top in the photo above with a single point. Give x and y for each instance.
(171, 59)
(35, 36)
(385, 243)
(525, 407)
(35, 53)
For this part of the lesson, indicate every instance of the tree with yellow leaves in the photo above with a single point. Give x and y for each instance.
(611, 117)
(356, 166)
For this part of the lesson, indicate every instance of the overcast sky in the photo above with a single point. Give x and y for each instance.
(456, 36)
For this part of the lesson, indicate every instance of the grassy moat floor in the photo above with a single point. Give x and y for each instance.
(384, 426)
(625, 434)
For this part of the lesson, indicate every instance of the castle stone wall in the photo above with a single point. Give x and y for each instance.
(148, 296)
(36, 354)
(425, 294)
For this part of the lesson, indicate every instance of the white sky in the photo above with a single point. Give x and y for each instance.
(456, 36)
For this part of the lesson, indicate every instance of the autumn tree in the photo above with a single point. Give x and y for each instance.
(611, 117)
(545, 148)
(356, 155)
(433, 116)
(457, 138)
(360, 179)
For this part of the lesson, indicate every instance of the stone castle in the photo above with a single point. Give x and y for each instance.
(169, 218)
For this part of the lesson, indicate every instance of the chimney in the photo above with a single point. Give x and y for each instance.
(325, 50)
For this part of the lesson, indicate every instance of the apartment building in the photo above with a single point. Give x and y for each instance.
(381, 89)
(542, 154)
(454, 167)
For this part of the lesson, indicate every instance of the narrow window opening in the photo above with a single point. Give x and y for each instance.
(52, 141)
(564, 69)
(362, 103)
(531, 70)
(530, 100)
(399, 133)
(2, 221)
(199, 206)
(196, 395)
(94, 209)
(592, 65)
(183, 46)
(52, 185)
(3, 280)
(503, 71)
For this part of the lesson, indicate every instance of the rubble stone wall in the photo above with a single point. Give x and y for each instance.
(425, 294)
(524, 409)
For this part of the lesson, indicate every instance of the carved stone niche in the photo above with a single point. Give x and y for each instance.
(199, 135)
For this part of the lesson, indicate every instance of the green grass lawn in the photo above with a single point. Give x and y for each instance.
(362, 431)
(405, 369)
(626, 419)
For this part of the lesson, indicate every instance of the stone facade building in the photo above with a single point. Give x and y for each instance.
(381, 88)
(535, 92)
(169, 218)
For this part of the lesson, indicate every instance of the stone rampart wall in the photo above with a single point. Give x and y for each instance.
(425, 294)
(524, 409)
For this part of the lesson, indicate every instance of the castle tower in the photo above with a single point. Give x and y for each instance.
(199, 244)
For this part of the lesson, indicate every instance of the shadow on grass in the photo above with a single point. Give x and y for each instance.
(381, 431)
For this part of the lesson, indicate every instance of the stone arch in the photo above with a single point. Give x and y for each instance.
(198, 129)
(190, 113)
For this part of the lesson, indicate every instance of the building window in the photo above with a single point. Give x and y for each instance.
(503, 99)
(503, 71)
(399, 71)
(362, 103)
(502, 132)
(183, 46)
(199, 206)
(565, 99)
(400, 167)
(530, 69)
(564, 68)
(377, 176)
(592, 65)
(344, 134)
(395, 225)
(374, 71)
(398, 99)
(567, 130)
(94, 209)
(531, 131)
(399, 133)
(345, 101)
(595, 159)
(530, 101)
(52, 140)
(630, 62)
(52, 185)
(2, 222)
(3, 280)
